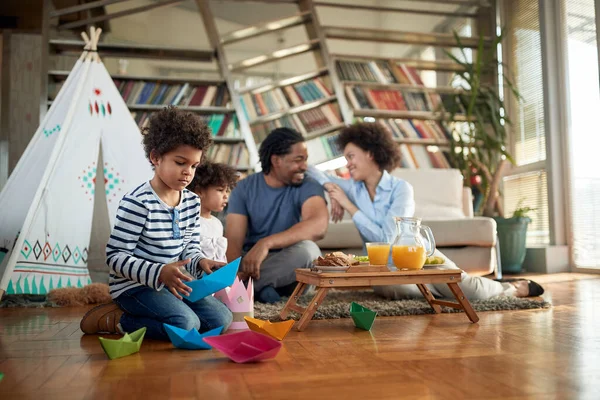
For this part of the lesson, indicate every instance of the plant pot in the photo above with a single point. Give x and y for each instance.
(512, 234)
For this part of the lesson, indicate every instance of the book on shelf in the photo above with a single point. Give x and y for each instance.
(282, 98)
(220, 125)
(431, 153)
(322, 148)
(136, 92)
(230, 154)
(305, 122)
(408, 98)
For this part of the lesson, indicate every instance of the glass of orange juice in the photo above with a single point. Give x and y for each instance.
(379, 253)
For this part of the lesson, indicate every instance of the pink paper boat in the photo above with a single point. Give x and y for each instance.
(246, 346)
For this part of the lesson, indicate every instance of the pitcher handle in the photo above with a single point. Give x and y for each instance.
(430, 240)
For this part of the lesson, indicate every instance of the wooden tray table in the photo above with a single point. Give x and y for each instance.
(374, 275)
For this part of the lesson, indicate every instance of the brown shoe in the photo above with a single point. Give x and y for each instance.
(102, 319)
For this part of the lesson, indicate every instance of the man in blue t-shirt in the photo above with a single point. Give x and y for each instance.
(275, 216)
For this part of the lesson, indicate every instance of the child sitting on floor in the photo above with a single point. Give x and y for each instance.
(213, 183)
(155, 235)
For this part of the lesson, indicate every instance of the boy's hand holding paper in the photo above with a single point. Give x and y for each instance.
(214, 282)
(208, 266)
(173, 278)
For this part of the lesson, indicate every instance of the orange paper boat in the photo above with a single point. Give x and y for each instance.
(276, 330)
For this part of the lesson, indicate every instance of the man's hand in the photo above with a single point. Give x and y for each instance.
(337, 194)
(254, 258)
(208, 266)
(172, 277)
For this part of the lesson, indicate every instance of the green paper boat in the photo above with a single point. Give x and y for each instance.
(363, 317)
(127, 345)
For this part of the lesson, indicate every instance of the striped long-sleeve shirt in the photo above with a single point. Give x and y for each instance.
(149, 234)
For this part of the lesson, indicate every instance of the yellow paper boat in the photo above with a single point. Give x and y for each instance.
(127, 345)
(277, 330)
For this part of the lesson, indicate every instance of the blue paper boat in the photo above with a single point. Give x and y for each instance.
(214, 282)
(192, 339)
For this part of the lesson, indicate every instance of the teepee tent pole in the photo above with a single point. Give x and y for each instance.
(42, 188)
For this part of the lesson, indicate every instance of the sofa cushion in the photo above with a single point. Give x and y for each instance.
(438, 192)
(473, 260)
(477, 231)
(341, 235)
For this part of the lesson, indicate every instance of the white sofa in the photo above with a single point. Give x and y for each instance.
(445, 206)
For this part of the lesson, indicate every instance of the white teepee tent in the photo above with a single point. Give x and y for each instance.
(47, 205)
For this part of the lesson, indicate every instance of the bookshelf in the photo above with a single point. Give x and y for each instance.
(317, 102)
(307, 102)
(390, 90)
(144, 95)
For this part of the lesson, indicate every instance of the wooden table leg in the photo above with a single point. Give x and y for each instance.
(429, 297)
(463, 301)
(312, 308)
(293, 300)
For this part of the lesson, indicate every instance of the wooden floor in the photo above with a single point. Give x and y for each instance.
(535, 354)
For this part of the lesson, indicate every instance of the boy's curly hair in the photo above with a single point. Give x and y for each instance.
(170, 128)
(374, 138)
(212, 174)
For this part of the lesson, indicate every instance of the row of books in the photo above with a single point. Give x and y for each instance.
(220, 125)
(363, 98)
(416, 129)
(418, 156)
(136, 92)
(322, 149)
(282, 98)
(304, 122)
(230, 154)
(378, 71)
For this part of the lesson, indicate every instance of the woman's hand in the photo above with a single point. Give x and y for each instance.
(172, 277)
(337, 194)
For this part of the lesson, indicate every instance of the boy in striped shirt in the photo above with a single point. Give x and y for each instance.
(155, 235)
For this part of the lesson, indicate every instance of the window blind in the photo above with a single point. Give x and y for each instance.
(526, 73)
(529, 190)
(584, 103)
(527, 129)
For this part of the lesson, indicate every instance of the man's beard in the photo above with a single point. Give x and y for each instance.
(298, 183)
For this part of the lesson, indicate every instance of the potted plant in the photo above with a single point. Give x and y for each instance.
(512, 233)
(481, 145)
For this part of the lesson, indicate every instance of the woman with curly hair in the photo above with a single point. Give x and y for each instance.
(373, 198)
(155, 235)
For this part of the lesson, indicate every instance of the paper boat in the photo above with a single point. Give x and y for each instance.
(277, 330)
(363, 317)
(127, 345)
(190, 340)
(214, 282)
(245, 346)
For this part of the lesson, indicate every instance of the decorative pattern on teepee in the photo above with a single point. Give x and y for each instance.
(98, 106)
(49, 131)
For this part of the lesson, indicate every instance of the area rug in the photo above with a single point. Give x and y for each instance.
(337, 304)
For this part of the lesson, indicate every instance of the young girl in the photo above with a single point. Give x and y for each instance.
(155, 235)
(213, 183)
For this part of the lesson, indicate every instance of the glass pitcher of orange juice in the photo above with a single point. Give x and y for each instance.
(410, 249)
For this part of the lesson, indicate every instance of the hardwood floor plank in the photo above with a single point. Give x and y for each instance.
(529, 354)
